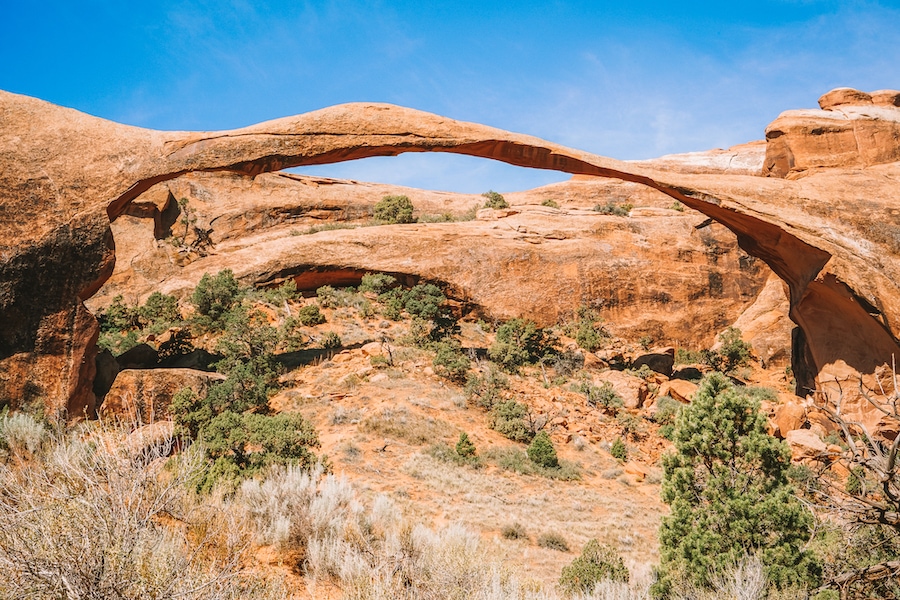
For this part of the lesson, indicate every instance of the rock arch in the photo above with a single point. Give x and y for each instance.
(66, 175)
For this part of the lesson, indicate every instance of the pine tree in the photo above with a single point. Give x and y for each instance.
(729, 495)
(542, 452)
(465, 447)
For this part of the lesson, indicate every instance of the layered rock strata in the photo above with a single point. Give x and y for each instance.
(830, 235)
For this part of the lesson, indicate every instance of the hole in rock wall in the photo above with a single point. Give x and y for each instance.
(438, 171)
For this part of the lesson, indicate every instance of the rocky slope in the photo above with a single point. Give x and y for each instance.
(825, 220)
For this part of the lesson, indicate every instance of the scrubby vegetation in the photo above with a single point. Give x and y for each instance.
(728, 489)
(736, 527)
(614, 208)
(394, 209)
(494, 200)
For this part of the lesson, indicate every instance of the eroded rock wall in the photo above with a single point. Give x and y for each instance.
(63, 172)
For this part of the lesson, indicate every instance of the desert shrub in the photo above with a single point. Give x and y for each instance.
(214, 297)
(667, 410)
(95, 517)
(118, 316)
(291, 336)
(729, 493)
(444, 217)
(247, 336)
(241, 445)
(118, 342)
(394, 209)
(391, 303)
(632, 425)
(486, 390)
(614, 208)
(553, 541)
(424, 300)
(565, 363)
(598, 562)
(590, 333)
(517, 461)
(677, 206)
(21, 435)
(465, 447)
(550, 202)
(514, 531)
(510, 418)
(683, 356)
(732, 353)
(159, 312)
(331, 341)
(327, 297)
(542, 452)
(377, 283)
(278, 294)
(310, 315)
(603, 396)
(520, 342)
(761, 394)
(119, 325)
(494, 200)
(618, 450)
(590, 336)
(447, 453)
(450, 361)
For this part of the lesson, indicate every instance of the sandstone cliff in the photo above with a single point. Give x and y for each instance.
(829, 230)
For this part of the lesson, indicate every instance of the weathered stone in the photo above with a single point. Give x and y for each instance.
(766, 325)
(661, 362)
(633, 390)
(678, 389)
(789, 415)
(806, 446)
(66, 175)
(141, 396)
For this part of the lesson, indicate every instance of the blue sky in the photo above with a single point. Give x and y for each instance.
(621, 79)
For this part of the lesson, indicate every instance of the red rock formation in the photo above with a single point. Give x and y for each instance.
(64, 175)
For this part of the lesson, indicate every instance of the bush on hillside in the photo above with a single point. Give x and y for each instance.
(728, 489)
(494, 200)
(597, 563)
(394, 209)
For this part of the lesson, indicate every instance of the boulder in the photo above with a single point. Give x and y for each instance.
(886, 98)
(661, 361)
(678, 389)
(806, 446)
(142, 396)
(633, 390)
(766, 325)
(842, 97)
(142, 356)
(790, 415)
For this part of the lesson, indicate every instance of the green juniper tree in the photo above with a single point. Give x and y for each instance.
(730, 497)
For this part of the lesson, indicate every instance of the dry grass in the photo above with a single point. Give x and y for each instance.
(402, 424)
(85, 516)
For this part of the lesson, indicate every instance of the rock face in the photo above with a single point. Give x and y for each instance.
(850, 130)
(64, 176)
(667, 275)
(143, 396)
(767, 326)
